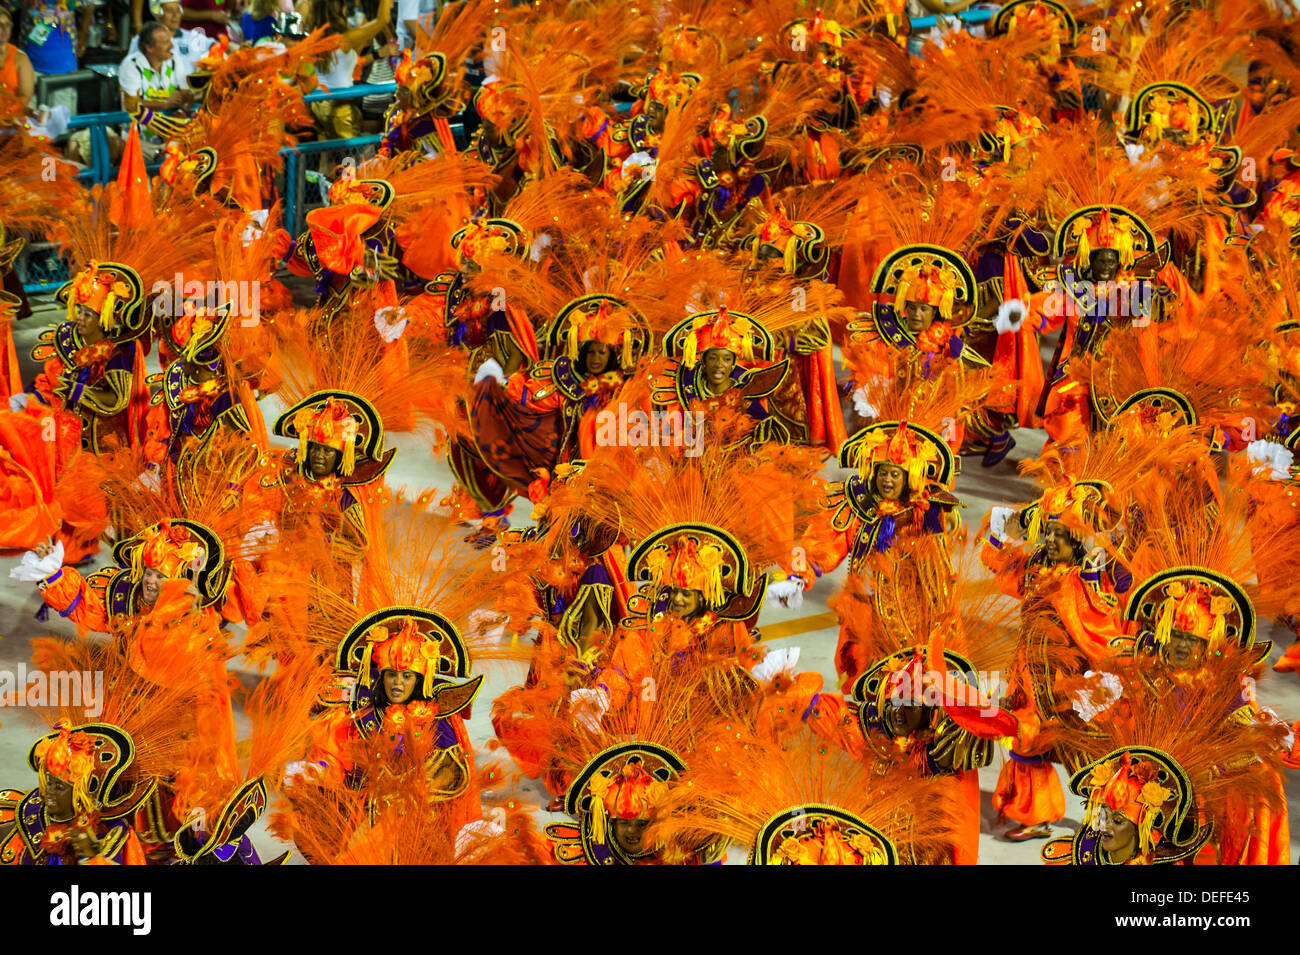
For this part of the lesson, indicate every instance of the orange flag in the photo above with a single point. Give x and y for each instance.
(130, 202)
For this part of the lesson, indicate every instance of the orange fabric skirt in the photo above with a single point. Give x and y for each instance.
(1029, 793)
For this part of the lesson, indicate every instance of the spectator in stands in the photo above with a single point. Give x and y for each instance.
(408, 21)
(258, 22)
(387, 54)
(188, 45)
(16, 74)
(209, 16)
(153, 86)
(54, 33)
(340, 119)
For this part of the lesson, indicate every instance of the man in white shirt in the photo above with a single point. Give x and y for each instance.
(153, 87)
(409, 14)
(189, 45)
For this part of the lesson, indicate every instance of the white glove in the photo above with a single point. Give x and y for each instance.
(1271, 458)
(390, 322)
(1134, 151)
(862, 399)
(265, 531)
(19, 401)
(490, 369)
(589, 708)
(1011, 315)
(643, 162)
(150, 480)
(1096, 698)
(998, 517)
(489, 828)
(787, 593)
(540, 245)
(32, 569)
(775, 663)
(256, 225)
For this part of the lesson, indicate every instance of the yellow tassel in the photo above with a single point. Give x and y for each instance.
(1085, 247)
(571, 343)
(904, 285)
(72, 304)
(1035, 524)
(1147, 824)
(1124, 245)
(627, 349)
(137, 564)
(106, 321)
(689, 349)
(1218, 631)
(945, 303)
(349, 458)
(363, 678)
(791, 254)
(1165, 624)
(599, 827)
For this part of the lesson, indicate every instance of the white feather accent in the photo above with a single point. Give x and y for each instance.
(775, 663)
(1271, 455)
(787, 593)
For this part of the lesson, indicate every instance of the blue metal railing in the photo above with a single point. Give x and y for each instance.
(966, 16)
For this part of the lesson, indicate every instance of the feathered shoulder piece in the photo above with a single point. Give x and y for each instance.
(286, 74)
(421, 586)
(1081, 166)
(152, 725)
(1159, 771)
(805, 803)
(1185, 382)
(1195, 562)
(964, 88)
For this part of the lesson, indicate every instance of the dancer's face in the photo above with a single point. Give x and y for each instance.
(399, 685)
(903, 720)
(891, 482)
(630, 835)
(58, 797)
(1103, 264)
(597, 359)
(1118, 836)
(1185, 650)
(918, 316)
(685, 604)
(1058, 545)
(321, 459)
(151, 586)
(718, 365)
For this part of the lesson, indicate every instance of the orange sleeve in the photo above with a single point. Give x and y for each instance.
(1007, 563)
(67, 592)
(833, 719)
(824, 548)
